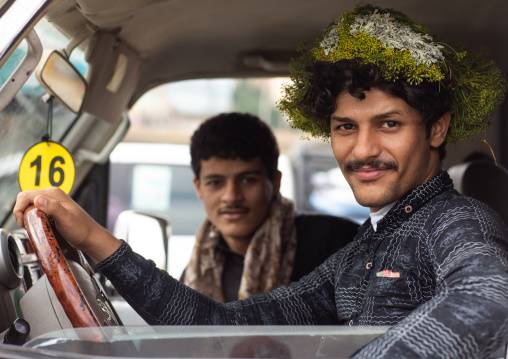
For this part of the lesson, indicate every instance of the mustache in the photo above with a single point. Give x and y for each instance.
(376, 164)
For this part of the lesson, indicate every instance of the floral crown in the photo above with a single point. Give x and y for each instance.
(402, 49)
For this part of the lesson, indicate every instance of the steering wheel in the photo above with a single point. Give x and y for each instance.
(89, 308)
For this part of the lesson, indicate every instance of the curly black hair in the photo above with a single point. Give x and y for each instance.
(327, 80)
(234, 135)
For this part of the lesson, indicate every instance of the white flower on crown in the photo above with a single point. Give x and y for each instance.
(394, 35)
(330, 41)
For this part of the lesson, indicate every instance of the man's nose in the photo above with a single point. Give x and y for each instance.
(366, 146)
(232, 192)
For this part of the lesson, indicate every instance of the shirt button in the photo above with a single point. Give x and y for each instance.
(408, 209)
(351, 322)
(368, 265)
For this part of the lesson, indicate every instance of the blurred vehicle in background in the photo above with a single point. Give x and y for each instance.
(319, 183)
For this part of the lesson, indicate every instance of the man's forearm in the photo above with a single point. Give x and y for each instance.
(162, 300)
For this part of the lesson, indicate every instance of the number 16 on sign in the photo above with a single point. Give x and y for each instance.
(46, 164)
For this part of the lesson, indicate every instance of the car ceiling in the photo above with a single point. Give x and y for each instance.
(183, 39)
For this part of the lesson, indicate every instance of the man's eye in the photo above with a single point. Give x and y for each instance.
(345, 127)
(249, 180)
(390, 124)
(213, 183)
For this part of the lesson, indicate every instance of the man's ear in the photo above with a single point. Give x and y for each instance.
(439, 130)
(276, 182)
(196, 187)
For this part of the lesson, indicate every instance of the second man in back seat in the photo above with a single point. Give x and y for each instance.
(252, 241)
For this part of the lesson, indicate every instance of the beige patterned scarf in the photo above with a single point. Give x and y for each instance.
(268, 262)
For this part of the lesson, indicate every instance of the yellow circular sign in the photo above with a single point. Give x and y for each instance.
(46, 164)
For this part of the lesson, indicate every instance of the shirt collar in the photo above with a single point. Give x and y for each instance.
(377, 216)
(414, 199)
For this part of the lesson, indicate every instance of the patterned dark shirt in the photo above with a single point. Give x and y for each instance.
(436, 270)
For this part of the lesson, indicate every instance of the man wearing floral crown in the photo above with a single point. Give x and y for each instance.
(430, 263)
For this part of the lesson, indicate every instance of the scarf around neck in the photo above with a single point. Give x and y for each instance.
(268, 263)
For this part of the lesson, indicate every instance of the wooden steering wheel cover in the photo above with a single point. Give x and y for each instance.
(57, 270)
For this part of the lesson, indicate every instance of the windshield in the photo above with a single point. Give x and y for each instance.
(24, 121)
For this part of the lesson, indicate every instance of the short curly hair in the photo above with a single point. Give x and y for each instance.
(234, 135)
(327, 80)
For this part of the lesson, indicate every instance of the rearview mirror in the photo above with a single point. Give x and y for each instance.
(62, 80)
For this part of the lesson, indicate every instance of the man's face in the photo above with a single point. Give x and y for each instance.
(381, 147)
(236, 194)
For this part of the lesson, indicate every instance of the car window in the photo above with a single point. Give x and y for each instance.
(12, 62)
(171, 113)
(24, 121)
(322, 187)
(164, 189)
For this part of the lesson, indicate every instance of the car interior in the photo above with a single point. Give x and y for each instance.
(119, 50)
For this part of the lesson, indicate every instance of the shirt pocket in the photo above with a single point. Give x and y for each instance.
(392, 293)
(388, 287)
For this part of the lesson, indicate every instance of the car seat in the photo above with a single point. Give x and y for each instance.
(485, 181)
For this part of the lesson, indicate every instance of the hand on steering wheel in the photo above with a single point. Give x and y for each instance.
(52, 252)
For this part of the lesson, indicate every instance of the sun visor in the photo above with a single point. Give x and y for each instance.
(113, 73)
